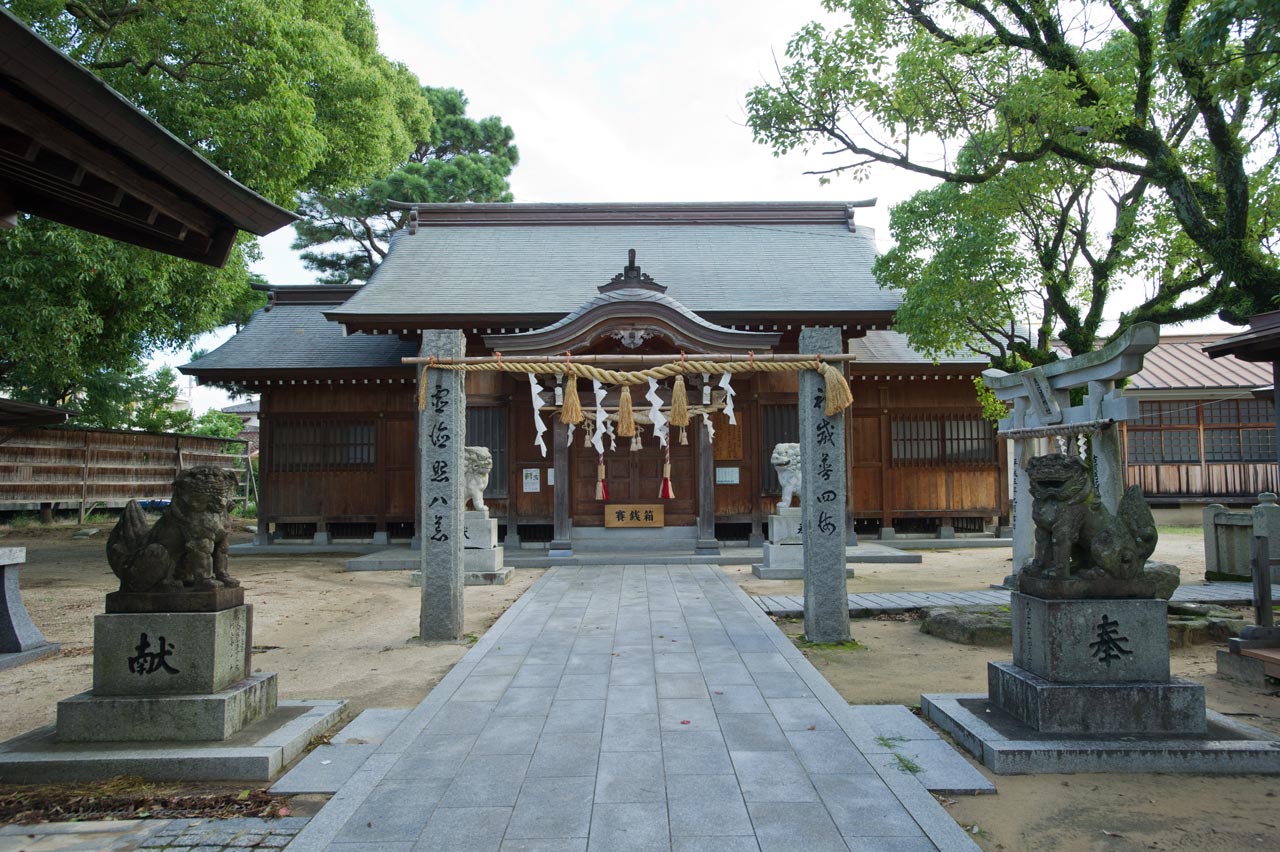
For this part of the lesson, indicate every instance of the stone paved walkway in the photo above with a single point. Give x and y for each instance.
(872, 603)
(633, 708)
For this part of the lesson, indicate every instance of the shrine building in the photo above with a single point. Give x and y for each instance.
(339, 410)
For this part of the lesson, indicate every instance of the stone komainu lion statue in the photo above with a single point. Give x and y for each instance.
(476, 463)
(786, 462)
(1076, 537)
(186, 550)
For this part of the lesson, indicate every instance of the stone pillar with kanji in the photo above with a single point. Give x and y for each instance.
(441, 437)
(822, 499)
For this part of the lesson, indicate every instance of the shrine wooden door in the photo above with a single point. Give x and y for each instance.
(635, 477)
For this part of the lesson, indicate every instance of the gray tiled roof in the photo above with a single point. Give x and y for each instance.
(554, 268)
(891, 347)
(298, 337)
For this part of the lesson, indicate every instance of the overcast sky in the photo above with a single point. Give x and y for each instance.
(613, 101)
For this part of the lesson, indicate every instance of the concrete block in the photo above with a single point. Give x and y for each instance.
(482, 561)
(784, 526)
(1175, 706)
(500, 577)
(1244, 669)
(174, 653)
(479, 530)
(92, 718)
(1091, 641)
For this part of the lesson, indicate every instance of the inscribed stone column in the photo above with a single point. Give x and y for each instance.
(823, 496)
(561, 544)
(1108, 472)
(441, 436)
(1023, 526)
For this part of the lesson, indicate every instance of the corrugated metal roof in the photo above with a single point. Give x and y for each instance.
(510, 270)
(298, 338)
(891, 347)
(1179, 362)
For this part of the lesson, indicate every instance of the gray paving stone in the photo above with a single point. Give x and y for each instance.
(553, 808)
(475, 829)
(781, 685)
(893, 721)
(487, 780)
(753, 732)
(865, 810)
(790, 826)
(694, 713)
(737, 698)
(828, 753)
(582, 686)
(670, 662)
(681, 684)
(631, 827)
(324, 770)
(719, 673)
(561, 844)
(634, 776)
(631, 732)
(706, 805)
(626, 699)
(560, 755)
(465, 717)
(432, 757)
(802, 714)
(534, 675)
(526, 701)
(509, 735)
(482, 688)
(575, 717)
(772, 776)
(770, 661)
(714, 844)
(497, 664)
(580, 663)
(394, 811)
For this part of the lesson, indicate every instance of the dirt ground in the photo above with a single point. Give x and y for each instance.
(331, 634)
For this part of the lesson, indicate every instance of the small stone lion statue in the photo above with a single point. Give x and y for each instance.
(476, 463)
(786, 461)
(186, 550)
(1083, 550)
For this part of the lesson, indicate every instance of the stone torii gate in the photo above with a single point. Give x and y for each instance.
(1042, 409)
(823, 395)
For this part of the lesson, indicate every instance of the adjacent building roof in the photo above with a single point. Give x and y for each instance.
(883, 348)
(1260, 343)
(74, 151)
(524, 266)
(1180, 362)
(14, 412)
(250, 407)
(296, 340)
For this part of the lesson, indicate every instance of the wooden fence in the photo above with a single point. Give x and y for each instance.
(90, 467)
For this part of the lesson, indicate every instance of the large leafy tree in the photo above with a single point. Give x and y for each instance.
(288, 97)
(460, 159)
(1078, 144)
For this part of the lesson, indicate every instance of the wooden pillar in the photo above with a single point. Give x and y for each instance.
(707, 543)
(263, 535)
(560, 543)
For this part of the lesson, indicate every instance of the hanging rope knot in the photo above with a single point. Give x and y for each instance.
(431, 362)
(498, 355)
(571, 412)
(752, 355)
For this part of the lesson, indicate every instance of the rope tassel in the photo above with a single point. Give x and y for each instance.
(626, 419)
(602, 487)
(666, 492)
(571, 412)
(839, 397)
(679, 403)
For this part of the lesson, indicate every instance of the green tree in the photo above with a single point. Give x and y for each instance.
(460, 159)
(1168, 108)
(287, 97)
(217, 424)
(132, 399)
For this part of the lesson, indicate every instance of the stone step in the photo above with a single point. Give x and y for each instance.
(330, 765)
(921, 752)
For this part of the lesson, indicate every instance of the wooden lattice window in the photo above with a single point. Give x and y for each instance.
(322, 444)
(487, 427)
(941, 440)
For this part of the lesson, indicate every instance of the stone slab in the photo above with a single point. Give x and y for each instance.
(942, 770)
(482, 560)
(90, 718)
(785, 526)
(174, 653)
(18, 658)
(324, 770)
(1244, 669)
(766, 572)
(479, 531)
(500, 577)
(257, 753)
(1172, 707)
(1007, 747)
(201, 600)
(1091, 641)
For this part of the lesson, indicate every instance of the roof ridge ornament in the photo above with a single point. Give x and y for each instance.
(631, 278)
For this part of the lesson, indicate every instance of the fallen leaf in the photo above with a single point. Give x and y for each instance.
(685, 722)
(1112, 833)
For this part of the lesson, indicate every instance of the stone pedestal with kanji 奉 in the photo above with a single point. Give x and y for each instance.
(481, 554)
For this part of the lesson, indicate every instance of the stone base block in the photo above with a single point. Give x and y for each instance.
(784, 526)
(1008, 747)
(89, 718)
(1244, 669)
(259, 752)
(479, 530)
(18, 658)
(487, 560)
(499, 577)
(1173, 707)
(195, 600)
(1094, 640)
(174, 653)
